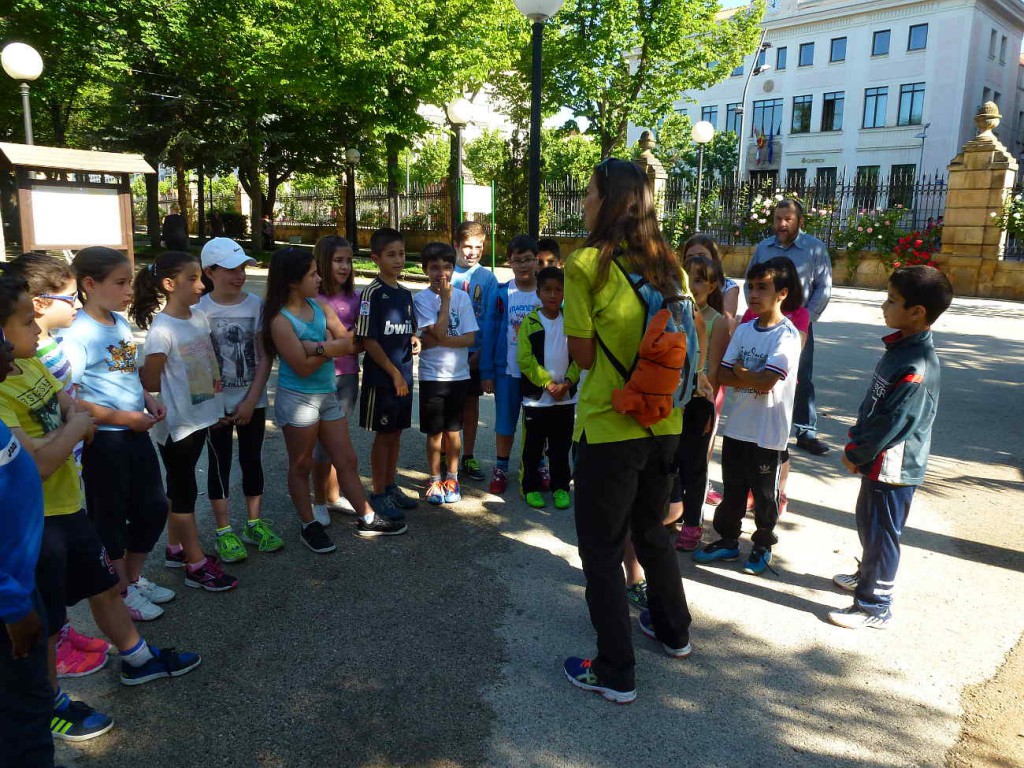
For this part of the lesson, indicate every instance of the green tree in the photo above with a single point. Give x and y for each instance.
(486, 155)
(568, 154)
(617, 62)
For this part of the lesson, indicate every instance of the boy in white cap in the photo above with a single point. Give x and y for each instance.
(234, 316)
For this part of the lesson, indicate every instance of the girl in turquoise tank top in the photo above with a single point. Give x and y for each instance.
(306, 335)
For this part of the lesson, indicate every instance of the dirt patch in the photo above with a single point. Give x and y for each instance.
(992, 735)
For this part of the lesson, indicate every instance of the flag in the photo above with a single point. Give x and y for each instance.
(759, 156)
(771, 146)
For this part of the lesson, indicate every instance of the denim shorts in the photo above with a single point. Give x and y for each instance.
(347, 390)
(304, 409)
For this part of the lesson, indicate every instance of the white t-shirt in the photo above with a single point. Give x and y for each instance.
(190, 380)
(751, 416)
(520, 304)
(445, 363)
(234, 329)
(556, 360)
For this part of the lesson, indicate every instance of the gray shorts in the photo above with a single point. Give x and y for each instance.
(302, 409)
(347, 390)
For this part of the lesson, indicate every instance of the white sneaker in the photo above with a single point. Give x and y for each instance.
(342, 505)
(154, 592)
(847, 581)
(321, 515)
(139, 606)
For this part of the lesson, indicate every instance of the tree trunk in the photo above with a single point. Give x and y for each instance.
(250, 178)
(153, 203)
(181, 174)
(59, 126)
(393, 173)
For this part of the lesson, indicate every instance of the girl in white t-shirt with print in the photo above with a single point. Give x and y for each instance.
(181, 365)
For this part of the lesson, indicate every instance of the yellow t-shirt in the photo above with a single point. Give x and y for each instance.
(28, 401)
(616, 315)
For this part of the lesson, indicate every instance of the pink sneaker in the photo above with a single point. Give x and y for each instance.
(689, 538)
(85, 643)
(714, 498)
(72, 662)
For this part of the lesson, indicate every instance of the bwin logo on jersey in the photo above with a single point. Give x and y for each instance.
(397, 329)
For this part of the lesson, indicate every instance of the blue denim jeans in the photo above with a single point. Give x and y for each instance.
(26, 703)
(805, 417)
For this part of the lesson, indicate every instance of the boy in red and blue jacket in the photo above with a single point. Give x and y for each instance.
(889, 444)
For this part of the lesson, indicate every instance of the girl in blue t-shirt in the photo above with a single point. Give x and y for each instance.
(306, 335)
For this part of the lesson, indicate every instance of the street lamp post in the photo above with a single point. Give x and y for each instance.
(702, 133)
(352, 157)
(754, 70)
(922, 136)
(458, 111)
(22, 62)
(537, 11)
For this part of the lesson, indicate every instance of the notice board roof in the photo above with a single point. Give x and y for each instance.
(58, 158)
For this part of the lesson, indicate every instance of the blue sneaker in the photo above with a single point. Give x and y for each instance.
(77, 721)
(758, 560)
(717, 550)
(644, 620)
(165, 663)
(452, 492)
(399, 499)
(581, 674)
(384, 506)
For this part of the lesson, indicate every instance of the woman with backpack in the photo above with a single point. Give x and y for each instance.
(623, 469)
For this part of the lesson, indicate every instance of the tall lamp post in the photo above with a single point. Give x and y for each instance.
(537, 11)
(702, 133)
(459, 111)
(22, 62)
(922, 136)
(352, 157)
(755, 69)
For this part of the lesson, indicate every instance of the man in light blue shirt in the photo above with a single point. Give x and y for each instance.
(813, 264)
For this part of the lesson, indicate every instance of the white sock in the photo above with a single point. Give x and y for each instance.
(319, 508)
(368, 518)
(138, 655)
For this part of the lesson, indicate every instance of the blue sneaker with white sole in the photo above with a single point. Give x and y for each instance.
(758, 560)
(166, 662)
(581, 674)
(717, 550)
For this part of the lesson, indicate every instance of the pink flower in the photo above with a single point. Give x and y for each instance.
(870, 230)
(860, 229)
(887, 223)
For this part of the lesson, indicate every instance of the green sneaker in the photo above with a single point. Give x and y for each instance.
(262, 535)
(562, 500)
(230, 548)
(535, 499)
(471, 469)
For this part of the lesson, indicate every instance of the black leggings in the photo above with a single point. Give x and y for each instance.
(689, 485)
(553, 425)
(250, 456)
(180, 459)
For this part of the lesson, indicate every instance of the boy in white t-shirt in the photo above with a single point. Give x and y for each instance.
(447, 325)
(760, 365)
(548, 381)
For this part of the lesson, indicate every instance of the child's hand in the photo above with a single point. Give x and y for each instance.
(24, 635)
(428, 342)
(401, 387)
(849, 464)
(487, 385)
(140, 421)
(445, 290)
(243, 413)
(704, 388)
(309, 347)
(552, 388)
(156, 408)
(82, 423)
(416, 346)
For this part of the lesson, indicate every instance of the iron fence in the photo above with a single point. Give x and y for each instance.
(1014, 250)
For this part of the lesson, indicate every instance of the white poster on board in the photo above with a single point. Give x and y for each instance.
(63, 215)
(476, 198)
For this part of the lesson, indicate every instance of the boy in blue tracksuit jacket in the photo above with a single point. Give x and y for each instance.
(889, 444)
(26, 699)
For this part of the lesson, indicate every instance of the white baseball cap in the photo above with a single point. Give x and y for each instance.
(225, 252)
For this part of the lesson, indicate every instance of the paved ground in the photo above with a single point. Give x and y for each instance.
(444, 647)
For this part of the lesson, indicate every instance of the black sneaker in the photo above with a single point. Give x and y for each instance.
(471, 469)
(380, 526)
(77, 721)
(315, 537)
(812, 445)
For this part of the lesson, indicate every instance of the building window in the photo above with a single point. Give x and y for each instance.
(825, 181)
(837, 52)
(806, 54)
(801, 114)
(682, 111)
(780, 57)
(737, 72)
(875, 102)
(986, 94)
(832, 111)
(996, 97)
(917, 39)
(901, 185)
(911, 104)
(1002, 50)
(732, 117)
(880, 42)
(993, 41)
(767, 116)
(710, 114)
(796, 179)
(865, 192)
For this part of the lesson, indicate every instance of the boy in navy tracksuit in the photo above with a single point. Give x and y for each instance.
(889, 443)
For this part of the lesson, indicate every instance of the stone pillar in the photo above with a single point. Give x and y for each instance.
(652, 166)
(980, 178)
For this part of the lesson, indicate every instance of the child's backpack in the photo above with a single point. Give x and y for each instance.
(681, 307)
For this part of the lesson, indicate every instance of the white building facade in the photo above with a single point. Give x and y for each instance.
(870, 89)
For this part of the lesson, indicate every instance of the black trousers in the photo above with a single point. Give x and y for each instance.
(26, 703)
(250, 456)
(748, 467)
(552, 425)
(622, 489)
(180, 459)
(690, 482)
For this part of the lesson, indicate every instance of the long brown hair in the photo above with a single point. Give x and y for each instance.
(628, 220)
